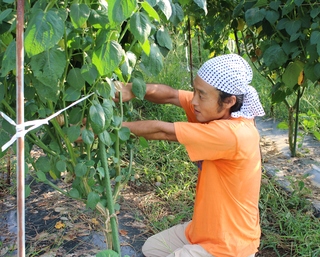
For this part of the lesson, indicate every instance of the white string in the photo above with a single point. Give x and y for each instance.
(20, 128)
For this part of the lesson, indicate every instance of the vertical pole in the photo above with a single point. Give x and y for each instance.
(20, 139)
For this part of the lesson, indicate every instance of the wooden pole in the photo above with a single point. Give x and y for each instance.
(20, 127)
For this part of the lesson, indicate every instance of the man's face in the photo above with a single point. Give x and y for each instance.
(205, 102)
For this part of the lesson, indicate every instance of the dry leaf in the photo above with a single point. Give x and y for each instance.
(123, 232)
(59, 225)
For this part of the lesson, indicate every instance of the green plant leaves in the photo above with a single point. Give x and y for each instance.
(153, 63)
(80, 169)
(107, 253)
(274, 56)
(44, 30)
(163, 38)
(75, 79)
(292, 73)
(96, 117)
(93, 199)
(140, 26)
(79, 14)
(9, 59)
(107, 57)
(120, 10)
(254, 16)
(139, 88)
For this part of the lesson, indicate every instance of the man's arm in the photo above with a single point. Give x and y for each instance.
(155, 93)
(152, 129)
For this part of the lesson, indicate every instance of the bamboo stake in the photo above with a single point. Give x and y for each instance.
(20, 139)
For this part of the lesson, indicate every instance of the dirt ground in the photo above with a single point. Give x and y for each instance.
(57, 226)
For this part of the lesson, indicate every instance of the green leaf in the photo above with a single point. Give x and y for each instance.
(177, 14)
(93, 199)
(101, 172)
(150, 10)
(120, 10)
(87, 136)
(292, 26)
(202, 4)
(49, 66)
(96, 117)
(143, 142)
(44, 30)
(105, 138)
(165, 7)
(43, 164)
(9, 59)
(74, 193)
(41, 176)
(163, 38)
(107, 57)
(154, 62)
(315, 37)
(274, 57)
(317, 135)
(139, 88)
(146, 47)
(107, 106)
(75, 115)
(129, 64)
(73, 132)
(107, 253)
(89, 72)
(27, 191)
(315, 12)
(124, 133)
(283, 125)
(291, 74)
(5, 14)
(278, 97)
(80, 169)
(272, 16)
(104, 89)
(71, 94)
(140, 26)
(75, 79)
(253, 16)
(79, 14)
(61, 166)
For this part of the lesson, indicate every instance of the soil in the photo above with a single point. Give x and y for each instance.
(58, 226)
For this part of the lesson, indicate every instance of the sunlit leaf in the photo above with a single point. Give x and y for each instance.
(150, 10)
(283, 125)
(140, 26)
(154, 62)
(107, 106)
(44, 30)
(107, 57)
(120, 10)
(291, 74)
(9, 59)
(107, 253)
(202, 4)
(165, 7)
(163, 38)
(79, 14)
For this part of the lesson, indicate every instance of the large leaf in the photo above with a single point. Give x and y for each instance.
(291, 74)
(79, 14)
(120, 10)
(139, 88)
(46, 92)
(163, 38)
(129, 64)
(165, 7)
(140, 26)
(93, 199)
(274, 57)
(49, 66)
(177, 14)
(97, 118)
(253, 16)
(293, 26)
(107, 106)
(202, 4)
(107, 57)
(73, 133)
(272, 16)
(87, 136)
(44, 30)
(75, 79)
(9, 59)
(150, 10)
(105, 138)
(89, 73)
(154, 62)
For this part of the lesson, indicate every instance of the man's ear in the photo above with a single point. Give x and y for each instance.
(230, 101)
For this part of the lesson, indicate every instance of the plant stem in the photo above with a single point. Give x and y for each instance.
(110, 203)
(296, 124)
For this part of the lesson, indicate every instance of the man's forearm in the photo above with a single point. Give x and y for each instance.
(162, 94)
(152, 129)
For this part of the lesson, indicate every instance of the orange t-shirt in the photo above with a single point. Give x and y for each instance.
(226, 216)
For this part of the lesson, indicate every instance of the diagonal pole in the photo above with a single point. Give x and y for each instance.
(20, 139)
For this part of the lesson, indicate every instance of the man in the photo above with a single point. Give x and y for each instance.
(221, 137)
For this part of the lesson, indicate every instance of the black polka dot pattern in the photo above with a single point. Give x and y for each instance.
(232, 74)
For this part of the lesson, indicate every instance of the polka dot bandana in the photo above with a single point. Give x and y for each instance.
(232, 74)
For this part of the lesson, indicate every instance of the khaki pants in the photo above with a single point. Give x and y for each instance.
(173, 243)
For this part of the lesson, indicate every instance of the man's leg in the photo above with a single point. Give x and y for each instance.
(166, 242)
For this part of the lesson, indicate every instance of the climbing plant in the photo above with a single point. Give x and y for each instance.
(75, 49)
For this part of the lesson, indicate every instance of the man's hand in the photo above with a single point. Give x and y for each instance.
(126, 91)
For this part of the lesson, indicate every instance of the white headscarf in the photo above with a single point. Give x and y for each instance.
(232, 74)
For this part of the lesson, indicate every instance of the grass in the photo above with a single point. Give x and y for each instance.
(289, 227)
